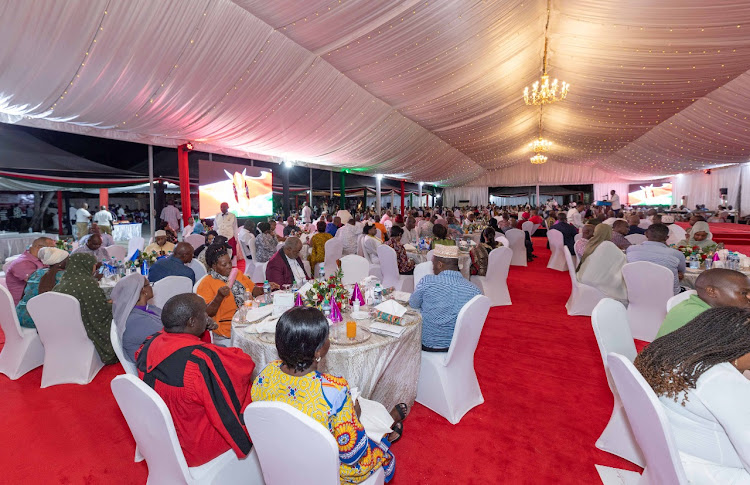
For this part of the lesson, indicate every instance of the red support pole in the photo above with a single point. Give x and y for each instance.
(184, 172)
(104, 197)
(59, 213)
(403, 208)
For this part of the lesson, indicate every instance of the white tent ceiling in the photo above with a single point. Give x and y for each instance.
(426, 90)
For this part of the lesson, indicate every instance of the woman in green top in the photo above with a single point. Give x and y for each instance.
(441, 232)
(96, 312)
(42, 281)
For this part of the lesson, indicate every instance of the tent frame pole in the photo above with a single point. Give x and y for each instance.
(151, 212)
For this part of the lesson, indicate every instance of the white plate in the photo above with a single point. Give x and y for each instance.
(360, 315)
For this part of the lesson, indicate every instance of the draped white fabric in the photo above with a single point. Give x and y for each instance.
(699, 188)
(459, 195)
(419, 90)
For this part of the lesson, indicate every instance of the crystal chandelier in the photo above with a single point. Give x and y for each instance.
(545, 93)
(540, 145)
(538, 159)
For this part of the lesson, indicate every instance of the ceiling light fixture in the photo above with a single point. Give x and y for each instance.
(546, 92)
(538, 159)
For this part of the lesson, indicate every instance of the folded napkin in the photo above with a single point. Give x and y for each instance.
(401, 296)
(268, 325)
(386, 329)
(258, 313)
(305, 288)
(375, 418)
(390, 312)
(410, 247)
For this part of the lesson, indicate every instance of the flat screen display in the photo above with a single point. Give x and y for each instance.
(247, 190)
(652, 194)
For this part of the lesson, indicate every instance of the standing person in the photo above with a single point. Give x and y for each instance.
(82, 220)
(22, 267)
(306, 213)
(103, 219)
(16, 219)
(172, 215)
(615, 200)
(4, 220)
(574, 215)
(225, 224)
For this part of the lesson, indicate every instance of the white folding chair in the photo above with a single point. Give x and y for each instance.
(583, 298)
(644, 224)
(447, 381)
(389, 270)
(195, 240)
(116, 339)
(360, 250)
(155, 436)
(197, 283)
(167, 287)
(516, 242)
(421, 270)
(556, 246)
(676, 234)
(259, 274)
(333, 251)
(118, 252)
(650, 286)
(679, 298)
(135, 243)
(528, 226)
(610, 322)
(651, 429)
(198, 268)
(69, 355)
(502, 240)
(495, 284)
(354, 268)
(23, 350)
(312, 457)
(636, 238)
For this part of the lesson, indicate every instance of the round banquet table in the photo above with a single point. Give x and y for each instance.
(688, 280)
(13, 243)
(384, 369)
(464, 261)
(124, 232)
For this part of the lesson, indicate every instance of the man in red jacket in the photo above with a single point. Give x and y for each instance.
(205, 387)
(285, 267)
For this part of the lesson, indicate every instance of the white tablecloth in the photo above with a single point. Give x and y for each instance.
(384, 369)
(12, 243)
(123, 232)
(688, 281)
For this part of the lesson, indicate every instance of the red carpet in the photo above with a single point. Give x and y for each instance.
(546, 402)
(734, 236)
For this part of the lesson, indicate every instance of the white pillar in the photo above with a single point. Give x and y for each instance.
(377, 195)
(151, 221)
(311, 189)
(420, 195)
(537, 204)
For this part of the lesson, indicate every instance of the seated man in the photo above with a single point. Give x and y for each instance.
(160, 245)
(586, 233)
(634, 227)
(333, 225)
(568, 231)
(94, 247)
(174, 265)
(107, 240)
(411, 233)
(438, 312)
(716, 287)
(350, 235)
(291, 228)
(23, 266)
(619, 231)
(205, 387)
(655, 250)
(285, 267)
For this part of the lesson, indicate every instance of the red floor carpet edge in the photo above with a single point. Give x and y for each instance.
(546, 402)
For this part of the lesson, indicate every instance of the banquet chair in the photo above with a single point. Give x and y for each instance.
(155, 437)
(577, 237)
(636, 238)
(528, 226)
(676, 234)
(199, 269)
(23, 350)
(583, 298)
(650, 426)
(389, 270)
(69, 355)
(495, 284)
(360, 250)
(116, 337)
(556, 246)
(312, 457)
(649, 287)
(118, 252)
(354, 268)
(374, 268)
(8, 261)
(447, 381)
(333, 251)
(195, 240)
(679, 298)
(167, 287)
(135, 244)
(516, 242)
(502, 240)
(610, 322)
(3, 283)
(421, 270)
(198, 282)
(259, 273)
(644, 224)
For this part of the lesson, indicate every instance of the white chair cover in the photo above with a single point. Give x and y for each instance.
(528, 226)
(502, 240)
(312, 457)
(583, 298)
(198, 269)
(23, 350)
(447, 381)
(421, 270)
(135, 243)
(166, 288)
(355, 269)
(679, 298)
(389, 271)
(334, 249)
(195, 240)
(636, 238)
(197, 283)
(69, 355)
(495, 284)
(650, 286)
(516, 243)
(676, 234)
(649, 423)
(128, 366)
(644, 224)
(152, 427)
(3, 283)
(118, 252)
(259, 275)
(610, 322)
(556, 246)
(360, 250)
(577, 237)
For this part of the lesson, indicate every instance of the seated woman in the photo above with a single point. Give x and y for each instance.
(134, 318)
(700, 235)
(601, 265)
(96, 312)
(171, 234)
(42, 281)
(405, 265)
(302, 341)
(222, 300)
(370, 242)
(696, 371)
(265, 243)
(454, 228)
(318, 245)
(440, 233)
(480, 253)
(200, 250)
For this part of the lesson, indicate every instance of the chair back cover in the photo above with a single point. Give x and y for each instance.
(421, 270)
(8, 317)
(117, 345)
(610, 322)
(259, 274)
(198, 269)
(167, 287)
(197, 283)
(649, 423)
(355, 269)
(195, 240)
(388, 266)
(22, 351)
(135, 243)
(557, 258)
(495, 284)
(679, 298)
(528, 226)
(469, 324)
(676, 234)
(578, 237)
(650, 286)
(502, 240)
(334, 249)
(118, 252)
(516, 242)
(636, 238)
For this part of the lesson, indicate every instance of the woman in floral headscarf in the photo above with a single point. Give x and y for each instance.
(42, 281)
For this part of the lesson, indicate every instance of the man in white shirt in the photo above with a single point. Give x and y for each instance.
(306, 214)
(411, 233)
(615, 200)
(246, 235)
(103, 219)
(349, 234)
(172, 215)
(225, 225)
(82, 220)
(574, 215)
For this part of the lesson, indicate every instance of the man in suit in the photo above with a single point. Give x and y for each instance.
(285, 267)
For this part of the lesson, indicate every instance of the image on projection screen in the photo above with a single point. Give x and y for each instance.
(652, 194)
(247, 190)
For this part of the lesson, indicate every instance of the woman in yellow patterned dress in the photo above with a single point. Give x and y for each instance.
(318, 244)
(302, 341)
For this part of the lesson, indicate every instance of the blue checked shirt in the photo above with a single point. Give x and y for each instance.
(440, 298)
(661, 254)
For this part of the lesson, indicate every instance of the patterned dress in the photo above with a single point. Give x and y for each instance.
(326, 399)
(405, 265)
(318, 245)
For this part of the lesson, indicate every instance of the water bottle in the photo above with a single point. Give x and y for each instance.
(377, 297)
(144, 268)
(322, 272)
(325, 307)
(295, 287)
(267, 292)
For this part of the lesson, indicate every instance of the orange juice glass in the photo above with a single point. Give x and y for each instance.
(351, 329)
